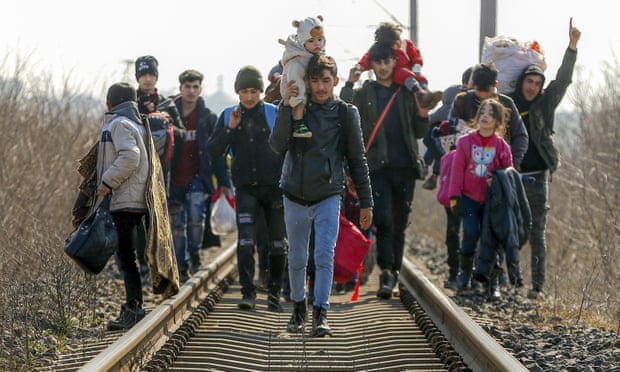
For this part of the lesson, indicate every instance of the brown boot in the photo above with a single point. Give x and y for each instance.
(428, 100)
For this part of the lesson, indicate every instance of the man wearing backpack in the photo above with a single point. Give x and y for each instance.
(191, 172)
(537, 108)
(313, 180)
(392, 158)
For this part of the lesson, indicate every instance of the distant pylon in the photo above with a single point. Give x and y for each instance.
(128, 75)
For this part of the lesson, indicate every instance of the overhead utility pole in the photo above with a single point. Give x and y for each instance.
(413, 21)
(488, 21)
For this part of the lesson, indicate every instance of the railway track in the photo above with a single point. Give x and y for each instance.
(201, 329)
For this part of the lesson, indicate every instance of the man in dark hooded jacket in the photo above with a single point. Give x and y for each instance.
(537, 108)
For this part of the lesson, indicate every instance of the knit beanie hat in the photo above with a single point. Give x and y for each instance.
(146, 64)
(309, 28)
(248, 77)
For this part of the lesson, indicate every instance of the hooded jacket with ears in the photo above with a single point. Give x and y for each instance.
(542, 110)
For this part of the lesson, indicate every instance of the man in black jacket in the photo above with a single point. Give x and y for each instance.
(191, 172)
(393, 158)
(245, 130)
(537, 109)
(313, 180)
(154, 105)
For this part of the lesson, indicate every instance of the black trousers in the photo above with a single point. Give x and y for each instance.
(392, 190)
(249, 201)
(127, 225)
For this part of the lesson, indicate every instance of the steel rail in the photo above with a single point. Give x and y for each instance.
(137, 344)
(477, 348)
(443, 323)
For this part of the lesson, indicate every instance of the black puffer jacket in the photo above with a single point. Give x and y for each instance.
(314, 168)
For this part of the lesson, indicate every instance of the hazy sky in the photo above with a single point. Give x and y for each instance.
(89, 40)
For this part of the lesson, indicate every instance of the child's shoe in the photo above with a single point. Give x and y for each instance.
(300, 130)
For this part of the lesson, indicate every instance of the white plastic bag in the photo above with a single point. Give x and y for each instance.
(223, 217)
(511, 57)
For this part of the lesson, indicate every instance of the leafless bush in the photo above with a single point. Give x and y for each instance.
(586, 193)
(43, 134)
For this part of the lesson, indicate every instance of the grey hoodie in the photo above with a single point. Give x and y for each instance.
(122, 159)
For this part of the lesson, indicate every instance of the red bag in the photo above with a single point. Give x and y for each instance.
(351, 248)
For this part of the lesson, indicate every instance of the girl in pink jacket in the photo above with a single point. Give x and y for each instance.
(477, 154)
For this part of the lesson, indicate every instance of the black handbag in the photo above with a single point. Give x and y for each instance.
(95, 240)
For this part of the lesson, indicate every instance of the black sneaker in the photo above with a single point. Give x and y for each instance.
(183, 277)
(451, 284)
(386, 285)
(300, 130)
(194, 263)
(298, 318)
(247, 303)
(493, 293)
(535, 294)
(430, 183)
(128, 318)
(273, 303)
(320, 328)
(338, 288)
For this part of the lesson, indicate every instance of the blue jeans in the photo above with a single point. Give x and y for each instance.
(537, 195)
(187, 208)
(472, 221)
(299, 219)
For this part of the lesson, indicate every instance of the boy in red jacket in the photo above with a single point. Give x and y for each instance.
(408, 64)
